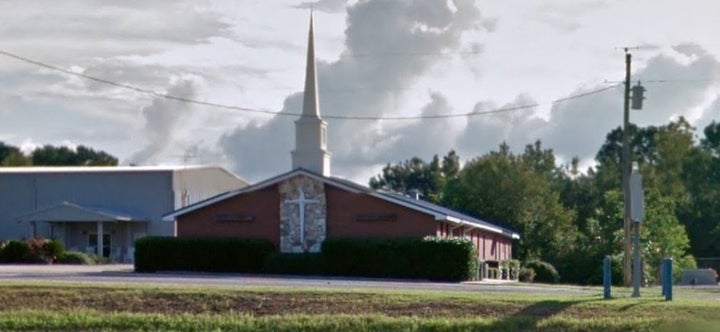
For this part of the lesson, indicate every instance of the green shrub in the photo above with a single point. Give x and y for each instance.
(430, 258)
(493, 273)
(297, 264)
(53, 249)
(544, 271)
(76, 257)
(527, 274)
(510, 269)
(15, 252)
(154, 253)
(681, 264)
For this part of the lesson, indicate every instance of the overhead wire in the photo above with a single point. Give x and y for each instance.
(294, 114)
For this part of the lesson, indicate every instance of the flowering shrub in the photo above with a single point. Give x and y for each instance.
(34, 250)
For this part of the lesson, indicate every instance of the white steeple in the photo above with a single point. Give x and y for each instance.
(310, 130)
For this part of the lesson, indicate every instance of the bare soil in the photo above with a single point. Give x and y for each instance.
(264, 303)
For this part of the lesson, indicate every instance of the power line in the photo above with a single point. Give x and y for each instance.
(294, 114)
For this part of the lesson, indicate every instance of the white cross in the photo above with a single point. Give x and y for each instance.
(302, 201)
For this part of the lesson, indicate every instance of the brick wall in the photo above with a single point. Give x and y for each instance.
(226, 218)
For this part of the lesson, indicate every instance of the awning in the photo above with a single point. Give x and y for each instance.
(69, 212)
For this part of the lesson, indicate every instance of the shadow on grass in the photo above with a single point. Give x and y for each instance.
(527, 318)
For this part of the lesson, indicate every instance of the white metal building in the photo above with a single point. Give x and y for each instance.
(102, 209)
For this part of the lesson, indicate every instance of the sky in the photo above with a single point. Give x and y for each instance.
(375, 58)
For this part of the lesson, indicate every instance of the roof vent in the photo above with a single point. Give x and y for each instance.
(414, 193)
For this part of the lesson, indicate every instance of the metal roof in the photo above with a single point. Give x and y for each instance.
(70, 212)
(86, 169)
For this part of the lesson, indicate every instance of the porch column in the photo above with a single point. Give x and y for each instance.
(100, 238)
(128, 243)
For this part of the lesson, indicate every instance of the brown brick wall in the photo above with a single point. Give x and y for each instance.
(263, 205)
(343, 209)
(345, 206)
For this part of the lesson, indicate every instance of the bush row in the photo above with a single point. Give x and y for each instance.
(35, 251)
(43, 251)
(429, 258)
(155, 253)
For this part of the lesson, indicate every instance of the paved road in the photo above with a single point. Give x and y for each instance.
(119, 274)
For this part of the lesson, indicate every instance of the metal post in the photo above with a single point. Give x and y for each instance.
(668, 278)
(627, 263)
(636, 260)
(607, 277)
(662, 277)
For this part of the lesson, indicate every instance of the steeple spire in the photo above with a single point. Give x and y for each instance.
(311, 107)
(310, 130)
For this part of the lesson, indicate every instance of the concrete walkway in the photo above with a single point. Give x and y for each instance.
(35, 269)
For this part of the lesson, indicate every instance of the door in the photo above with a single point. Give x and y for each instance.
(92, 243)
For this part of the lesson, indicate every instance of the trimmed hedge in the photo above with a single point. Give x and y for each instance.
(15, 251)
(155, 253)
(296, 264)
(431, 258)
(544, 271)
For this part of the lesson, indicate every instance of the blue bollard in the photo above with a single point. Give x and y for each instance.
(607, 277)
(663, 278)
(668, 279)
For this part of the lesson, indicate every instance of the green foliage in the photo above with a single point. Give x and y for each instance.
(544, 271)
(295, 264)
(201, 254)
(510, 269)
(429, 179)
(53, 249)
(430, 258)
(34, 250)
(527, 274)
(76, 258)
(683, 263)
(49, 155)
(518, 190)
(15, 251)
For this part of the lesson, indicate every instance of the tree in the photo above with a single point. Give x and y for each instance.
(429, 179)
(49, 155)
(504, 187)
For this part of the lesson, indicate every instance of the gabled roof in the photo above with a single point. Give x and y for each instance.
(438, 212)
(69, 212)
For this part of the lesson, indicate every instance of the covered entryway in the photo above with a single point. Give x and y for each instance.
(92, 230)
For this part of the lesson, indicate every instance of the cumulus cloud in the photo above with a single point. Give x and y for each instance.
(385, 44)
(330, 6)
(690, 49)
(486, 132)
(578, 127)
(161, 118)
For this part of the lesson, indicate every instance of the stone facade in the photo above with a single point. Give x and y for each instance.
(302, 230)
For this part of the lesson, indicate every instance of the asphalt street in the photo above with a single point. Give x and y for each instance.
(124, 274)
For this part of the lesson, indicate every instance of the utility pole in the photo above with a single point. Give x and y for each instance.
(627, 243)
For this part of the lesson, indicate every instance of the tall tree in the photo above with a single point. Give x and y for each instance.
(12, 156)
(429, 179)
(504, 187)
(49, 155)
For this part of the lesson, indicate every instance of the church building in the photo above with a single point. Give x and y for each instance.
(299, 209)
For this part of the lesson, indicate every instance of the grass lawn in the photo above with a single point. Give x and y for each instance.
(91, 307)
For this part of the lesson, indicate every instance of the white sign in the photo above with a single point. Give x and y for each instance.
(637, 196)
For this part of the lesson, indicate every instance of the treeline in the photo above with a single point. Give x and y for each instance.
(49, 155)
(572, 219)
